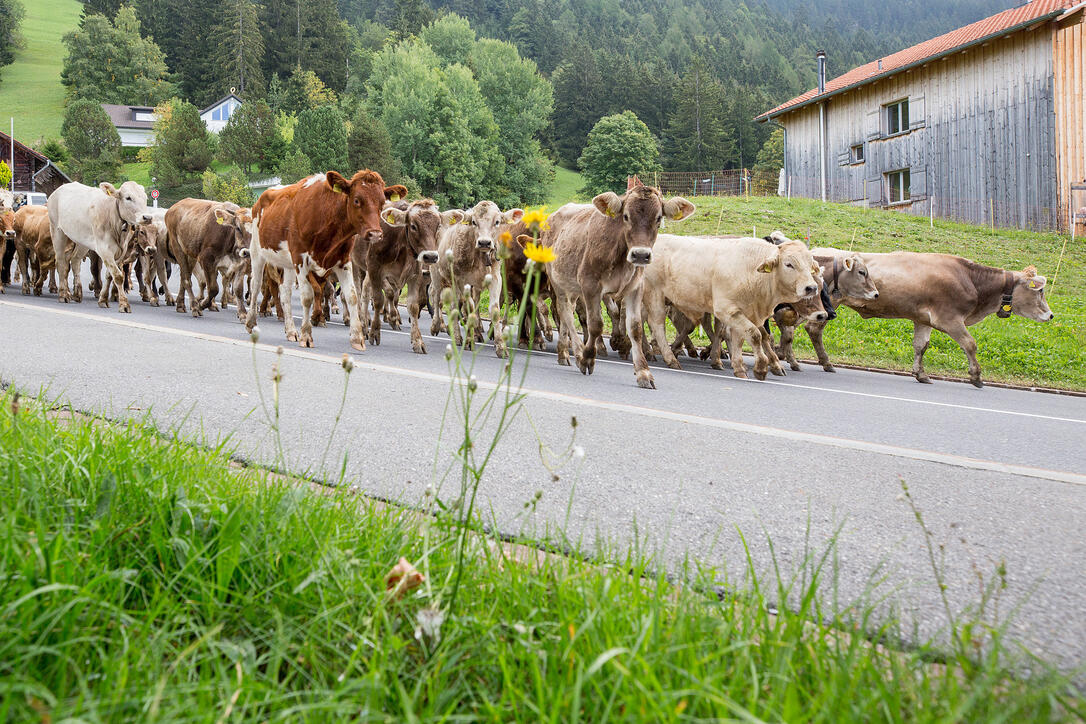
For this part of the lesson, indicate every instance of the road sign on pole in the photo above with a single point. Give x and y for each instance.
(154, 197)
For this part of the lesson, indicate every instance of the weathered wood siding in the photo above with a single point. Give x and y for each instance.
(1069, 51)
(981, 139)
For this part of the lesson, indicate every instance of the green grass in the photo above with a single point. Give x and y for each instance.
(30, 88)
(148, 580)
(1013, 350)
(565, 187)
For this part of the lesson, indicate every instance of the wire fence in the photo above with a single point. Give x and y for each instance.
(725, 182)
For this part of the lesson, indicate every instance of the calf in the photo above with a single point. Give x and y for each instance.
(310, 226)
(408, 242)
(948, 293)
(34, 248)
(466, 257)
(206, 233)
(603, 248)
(738, 281)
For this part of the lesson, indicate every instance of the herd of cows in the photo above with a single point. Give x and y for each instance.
(360, 242)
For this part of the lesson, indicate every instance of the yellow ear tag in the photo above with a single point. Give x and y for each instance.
(610, 213)
(1006, 307)
(1032, 285)
(390, 219)
(218, 220)
(394, 197)
(337, 189)
(678, 216)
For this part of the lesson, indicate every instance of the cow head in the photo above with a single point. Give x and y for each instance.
(131, 200)
(366, 194)
(1028, 296)
(795, 270)
(640, 212)
(240, 220)
(852, 279)
(421, 223)
(485, 218)
(7, 224)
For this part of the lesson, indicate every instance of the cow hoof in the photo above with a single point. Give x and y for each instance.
(794, 366)
(717, 365)
(358, 345)
(741, 374)
(153, 302)
(306, 341)
(564, 361)
(586, 366)
(978, 383)
(923, 379)
(777, 370)
(170, 301)
(125, 309)
(645, 381)
(418, 347)
(196, 312)
(103, 305)
(500, 352)
(674, 364)
(26, 291)
(829, 368)
(213, 307)
(760, 375)
(292, 336)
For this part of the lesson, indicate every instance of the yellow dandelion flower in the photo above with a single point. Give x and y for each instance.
(538, 253)
(506, 238)
(536, 218)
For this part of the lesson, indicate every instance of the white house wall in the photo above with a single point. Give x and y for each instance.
(981, 140)
(138, 137)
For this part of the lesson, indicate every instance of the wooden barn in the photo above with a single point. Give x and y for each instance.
(986, 124)
(31, 170)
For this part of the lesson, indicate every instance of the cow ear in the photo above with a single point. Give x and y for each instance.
(1036, 282)
(337, 183)
(224, 216)
(452, 217)
(771, 263)
(849, 263)
(524, 239)
(395, 193)
(512, 216)
(108, 188)
(677, 208)
(608, 203)
(394, 217)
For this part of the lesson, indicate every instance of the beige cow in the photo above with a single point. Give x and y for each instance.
(737, 281)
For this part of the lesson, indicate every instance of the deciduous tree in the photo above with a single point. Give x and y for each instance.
(618, 147)
(92, 141)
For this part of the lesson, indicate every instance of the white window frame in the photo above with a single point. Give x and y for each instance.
(904, 182)
(857, 154)
(894, 110)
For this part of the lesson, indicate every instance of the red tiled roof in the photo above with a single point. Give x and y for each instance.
(1008, 20)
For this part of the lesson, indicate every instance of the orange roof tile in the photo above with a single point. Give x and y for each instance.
(1001, 23)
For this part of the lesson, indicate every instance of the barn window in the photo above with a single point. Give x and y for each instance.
(897, 186)
(856, 153)
(897, 117)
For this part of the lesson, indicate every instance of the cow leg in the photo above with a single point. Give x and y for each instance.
(256, 280)
(377, 296)
(715, 330)
(567, 329)
(117, 275)
(770, 353)
(814, 331)
(345, 275)
(497, 316)
(239, 292)
(23, 254)
(414, 305)
(960, 334)
(655, 311)
(635, 330)
(788, 334)
(620, 342)
(211, 282)
(286, 290)
(921, 339)
(185, 287)
(437, 315)
(586, 360)
(60, 253)
(740, 328)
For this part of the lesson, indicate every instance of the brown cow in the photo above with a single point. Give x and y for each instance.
(409, 240)
(205, 233)
(948, 293)
(311, 226)
(514, 269)
(34, 248)
(7, 244)
(601, 248)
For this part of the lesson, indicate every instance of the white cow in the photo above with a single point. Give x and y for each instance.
(92, 218)
(738, 281)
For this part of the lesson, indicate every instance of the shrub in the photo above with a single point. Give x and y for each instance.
(618, 147)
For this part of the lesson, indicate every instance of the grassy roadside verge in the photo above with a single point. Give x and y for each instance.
(1010, 350)
(145, 579)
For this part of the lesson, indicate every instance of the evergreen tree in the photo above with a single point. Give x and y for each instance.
(251, 138)
(579, 91)
(109, 62)
(697, 137)
(304, 90)
(105, 8)
(92, 141)
(11, 17)
(183, 146)
(295, 166)
(322, 136)
(239, 50)
(369, 145)
(618, 147)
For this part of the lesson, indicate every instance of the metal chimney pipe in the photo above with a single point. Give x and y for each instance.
(821, 55)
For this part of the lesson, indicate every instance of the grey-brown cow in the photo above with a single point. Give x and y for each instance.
(408, 241)
(205, 232)
(601, 248)
(948, 293)
(847, 279)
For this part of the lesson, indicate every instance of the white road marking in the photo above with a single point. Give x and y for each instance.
(763, 430)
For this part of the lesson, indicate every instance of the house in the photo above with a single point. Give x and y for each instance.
(985, 124)
(136, 124)
(31, 171)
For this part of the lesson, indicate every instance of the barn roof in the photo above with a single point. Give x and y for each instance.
(1008, 21)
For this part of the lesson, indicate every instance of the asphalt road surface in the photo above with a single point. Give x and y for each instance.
(999, 475)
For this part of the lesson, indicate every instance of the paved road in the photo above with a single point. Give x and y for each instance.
(1000, 475)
